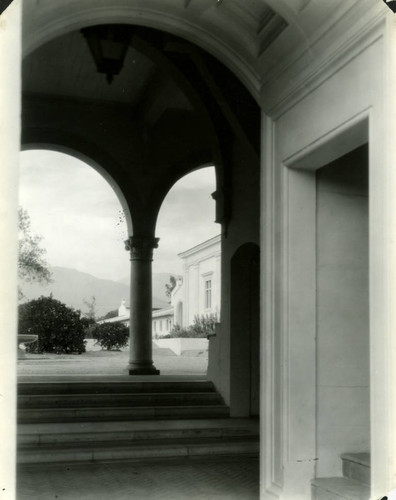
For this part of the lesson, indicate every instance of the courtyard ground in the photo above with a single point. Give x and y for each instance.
(193, 363)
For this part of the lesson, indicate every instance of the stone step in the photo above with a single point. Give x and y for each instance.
(118, 400)
(109, 387)
(339, 488)
(102, 414)
(79, 432)
(137, 450)
(356, 466)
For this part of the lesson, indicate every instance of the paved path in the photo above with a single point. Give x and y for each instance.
(169, 480)
(109, 363)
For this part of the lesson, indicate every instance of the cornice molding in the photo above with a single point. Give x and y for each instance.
(201, 246)
(304, 74)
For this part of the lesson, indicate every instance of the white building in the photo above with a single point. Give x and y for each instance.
(124, 312)
(163, 321)
(198, 292)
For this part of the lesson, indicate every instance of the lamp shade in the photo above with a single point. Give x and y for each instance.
(108, 44)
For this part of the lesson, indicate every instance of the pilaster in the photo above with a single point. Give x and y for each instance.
(383, 273)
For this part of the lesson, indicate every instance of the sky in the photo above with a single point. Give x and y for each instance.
(78, 215)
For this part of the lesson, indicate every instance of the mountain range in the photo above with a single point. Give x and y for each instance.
(75, 288)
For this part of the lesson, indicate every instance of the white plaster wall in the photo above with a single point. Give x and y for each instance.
(309, 135)
(343, 379)
(10, 84)
(179, 346)
(242, 228)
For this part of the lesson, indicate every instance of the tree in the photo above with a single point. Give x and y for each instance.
(31, 263)
(59, 328)
(111, 314)
(89, 318)
(169, 287)
(111, 336)
(91, 313)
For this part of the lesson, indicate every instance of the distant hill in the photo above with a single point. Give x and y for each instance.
(73, 287)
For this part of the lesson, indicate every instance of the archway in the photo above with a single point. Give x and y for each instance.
(245, 330)
(75, 208)
(191, 250)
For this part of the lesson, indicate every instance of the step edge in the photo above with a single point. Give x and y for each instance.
(357, 458)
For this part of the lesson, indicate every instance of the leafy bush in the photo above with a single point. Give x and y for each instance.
(111, 336)
(59, 328)
(203, 325)
(111, 314)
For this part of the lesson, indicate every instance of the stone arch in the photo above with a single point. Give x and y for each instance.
(245, 330)
(169, 19)
(93, 164)
(167, 189)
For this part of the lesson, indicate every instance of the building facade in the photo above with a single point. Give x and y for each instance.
(198, 292)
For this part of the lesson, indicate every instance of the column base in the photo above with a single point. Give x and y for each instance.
(142, 370)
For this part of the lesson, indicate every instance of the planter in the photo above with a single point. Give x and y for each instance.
(25, 339)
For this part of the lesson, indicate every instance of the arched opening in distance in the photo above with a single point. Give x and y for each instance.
(188, 257)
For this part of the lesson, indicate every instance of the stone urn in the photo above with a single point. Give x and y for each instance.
(25, 339)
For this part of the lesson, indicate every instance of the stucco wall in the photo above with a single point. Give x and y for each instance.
(342, 311)
(327, 123)
(243, 228)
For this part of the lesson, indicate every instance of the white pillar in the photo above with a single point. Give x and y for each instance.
(10, 85)
(140, 334)
(383, 274)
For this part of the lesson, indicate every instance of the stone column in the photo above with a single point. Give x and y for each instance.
(140, 336)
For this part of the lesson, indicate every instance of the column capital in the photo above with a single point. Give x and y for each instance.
(141, 247)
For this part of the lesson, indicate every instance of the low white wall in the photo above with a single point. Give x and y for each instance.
(91, 345)
(178, 346)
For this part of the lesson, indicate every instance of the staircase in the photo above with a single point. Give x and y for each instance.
(99, 421)
(354, 485)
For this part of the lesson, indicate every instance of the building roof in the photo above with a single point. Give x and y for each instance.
(157, 304)
(167, 311)
(205, 244)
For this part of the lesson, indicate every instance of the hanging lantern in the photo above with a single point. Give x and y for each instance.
(108, 44)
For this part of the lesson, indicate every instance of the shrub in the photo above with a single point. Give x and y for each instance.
(59, 328)
(202, 326)
(111, 336)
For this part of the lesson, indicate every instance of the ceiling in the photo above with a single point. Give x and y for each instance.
(64, 66)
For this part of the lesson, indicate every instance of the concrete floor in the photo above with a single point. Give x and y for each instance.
(192, 479)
